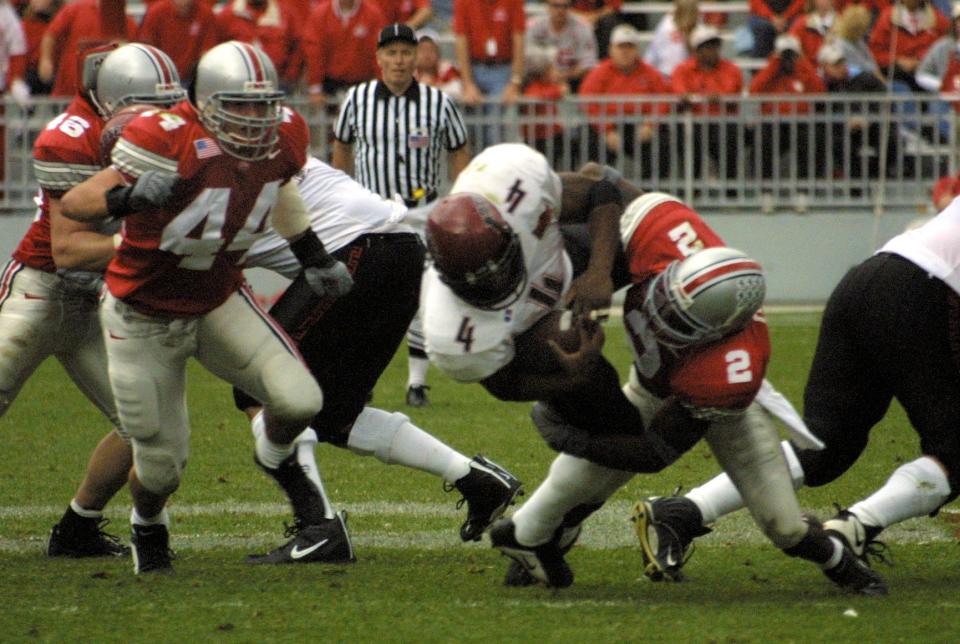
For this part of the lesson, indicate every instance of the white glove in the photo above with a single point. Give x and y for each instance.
(332, 281)
(20, 92)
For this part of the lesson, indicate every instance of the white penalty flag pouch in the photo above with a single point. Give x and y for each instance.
(778, 405)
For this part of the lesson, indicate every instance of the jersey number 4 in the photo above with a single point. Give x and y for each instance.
(198, 232)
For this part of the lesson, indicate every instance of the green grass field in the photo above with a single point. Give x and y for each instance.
(414, 580)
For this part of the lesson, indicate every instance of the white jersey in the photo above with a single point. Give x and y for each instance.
(934, 247)
(468, 343)
(340, 211)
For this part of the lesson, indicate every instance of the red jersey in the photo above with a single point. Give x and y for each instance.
(188, 260)
(489, 26)
(944, 187)
(725, 374)
(545, 114)
(811, 30)
(182, 37)
(77, 27)
(341, 46)
(273, 29)
(66, 153)
(802, 80)
(606, 79)
(401, 10)
(915, 32)
(690, 78)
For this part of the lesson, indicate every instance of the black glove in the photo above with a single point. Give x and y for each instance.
(152, 190)
(325, 275)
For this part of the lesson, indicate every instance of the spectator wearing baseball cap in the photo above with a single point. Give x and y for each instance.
(339, 40)
(703, 80)
(787, 72)
(434, 70)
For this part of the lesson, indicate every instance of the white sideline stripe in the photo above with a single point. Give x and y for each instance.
(608, 529)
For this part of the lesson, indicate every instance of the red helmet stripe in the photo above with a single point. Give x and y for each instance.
(722, 270)
(253, 62)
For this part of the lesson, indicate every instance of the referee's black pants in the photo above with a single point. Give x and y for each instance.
(889, 330)
(348, 344)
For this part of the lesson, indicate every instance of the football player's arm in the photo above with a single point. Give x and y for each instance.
(87, 201)
(343, 156)
(76, 245)
(458, 160)
(290, 218)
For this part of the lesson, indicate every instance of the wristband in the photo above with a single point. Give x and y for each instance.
(118, 201)
(117, 240)
(309, 251)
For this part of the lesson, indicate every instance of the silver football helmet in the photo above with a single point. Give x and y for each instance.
(135, 74)
(239, 99)
(704, 297)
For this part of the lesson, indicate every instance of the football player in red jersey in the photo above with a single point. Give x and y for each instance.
(694, 323)
(203, 179)
(49, 289)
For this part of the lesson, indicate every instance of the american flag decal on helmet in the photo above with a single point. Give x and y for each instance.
(206, 148)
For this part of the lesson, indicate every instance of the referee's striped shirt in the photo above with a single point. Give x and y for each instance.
(399, 139)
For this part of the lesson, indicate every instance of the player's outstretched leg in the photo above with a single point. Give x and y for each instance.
(666, 527)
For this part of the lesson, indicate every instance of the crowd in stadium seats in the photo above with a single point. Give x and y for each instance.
(501, 50)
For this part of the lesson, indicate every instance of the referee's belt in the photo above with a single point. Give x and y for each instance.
(422, 201)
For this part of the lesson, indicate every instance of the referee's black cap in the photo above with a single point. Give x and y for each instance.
(396, 32)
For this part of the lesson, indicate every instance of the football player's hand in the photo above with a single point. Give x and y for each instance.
(589, 292)
(152, 190)
(580, 360)
(331, 281)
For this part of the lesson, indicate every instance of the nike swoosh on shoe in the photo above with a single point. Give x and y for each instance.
(297, 553)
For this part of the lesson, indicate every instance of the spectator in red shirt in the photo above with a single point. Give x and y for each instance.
(269, 25)
(76, 27)
(770, 18)
(544, 84)
(811, 28)
(339, 41)
(703, 80)
(917, 25)
(624, 127)
(36, 18)
(788, 72)
(183, 29)
(431, 69)
(413, 13)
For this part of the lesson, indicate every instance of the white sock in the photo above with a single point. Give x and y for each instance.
(305, 444)
(161, 519)
(257, 425)
(86, 514)
(272, 454)
(417, 371)
(719, 496)
(914, 489)
(571, 482)
(393, 439)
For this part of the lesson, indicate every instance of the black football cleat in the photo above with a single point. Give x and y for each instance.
(854, 575)
(417, 396)
(860, 538)
(488, 490)
(518, 576)
(325, 542)
(81, 537)
(666, 527)
(545, 562)
(151, 549)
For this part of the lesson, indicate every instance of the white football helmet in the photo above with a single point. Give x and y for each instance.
(238, 94)
(704, 297)
(131, 74)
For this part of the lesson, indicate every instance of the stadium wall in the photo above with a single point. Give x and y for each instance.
(805, 255)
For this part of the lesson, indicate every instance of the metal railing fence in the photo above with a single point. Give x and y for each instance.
(749, 153)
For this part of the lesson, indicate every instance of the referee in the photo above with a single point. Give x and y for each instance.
(400, 127)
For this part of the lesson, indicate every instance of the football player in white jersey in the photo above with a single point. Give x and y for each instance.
(891, 329)
(347, 344)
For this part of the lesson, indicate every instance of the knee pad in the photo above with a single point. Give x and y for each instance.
(293, 396)
(374, 431)
(159, 466)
